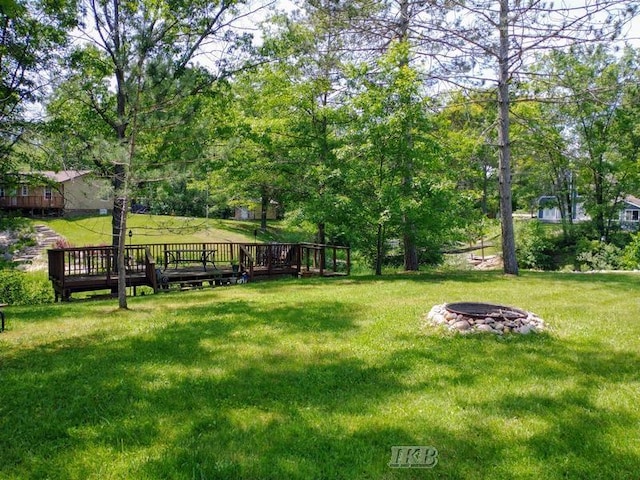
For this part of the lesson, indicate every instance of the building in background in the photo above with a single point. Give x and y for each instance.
(67, 192)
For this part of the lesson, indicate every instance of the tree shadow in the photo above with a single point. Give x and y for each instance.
(239, 390)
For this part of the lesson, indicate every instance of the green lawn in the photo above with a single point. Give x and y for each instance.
(96, 230)
(320, 378)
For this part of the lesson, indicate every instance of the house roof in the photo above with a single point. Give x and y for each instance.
(631, 200)
(64, 175)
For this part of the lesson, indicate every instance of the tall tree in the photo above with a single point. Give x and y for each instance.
(142, 56)
(597, 95)
(251, 160)
(545, 164)
(376, 30)
(469, 126)
(319, 31)
(474, 43)
(392, 139)
(32, 34)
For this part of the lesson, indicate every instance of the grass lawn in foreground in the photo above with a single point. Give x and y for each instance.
(320, 378)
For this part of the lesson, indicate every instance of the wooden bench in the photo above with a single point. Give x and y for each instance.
(2, 305)
(186, 256)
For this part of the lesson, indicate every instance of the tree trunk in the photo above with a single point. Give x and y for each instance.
(322, 240)
(379, 250)
(264, 206)
(410, 251)
(122, 268)
(504, 157)
(409, 234)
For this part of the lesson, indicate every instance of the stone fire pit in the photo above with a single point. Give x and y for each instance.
(469, 317)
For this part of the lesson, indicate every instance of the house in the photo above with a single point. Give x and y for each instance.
(67, 192)
(629, 217)
(253, 211)
(548, 210)
(630, 213)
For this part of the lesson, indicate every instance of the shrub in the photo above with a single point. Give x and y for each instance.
(13, 222)
(534, 248)
(20, 288)
(597, 255)
(62, 243)
(630, 258)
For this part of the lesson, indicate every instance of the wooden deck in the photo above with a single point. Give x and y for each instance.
(161, 266)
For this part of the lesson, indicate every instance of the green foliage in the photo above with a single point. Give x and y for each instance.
(599, 124)
(630, 258)
(396, 182)
(534, 248)
(13, 222)
(466, 130)
(176, 197)
(20, 288)
(598, 255)
(33, 32)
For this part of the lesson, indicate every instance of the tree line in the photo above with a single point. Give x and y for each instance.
(373, 120)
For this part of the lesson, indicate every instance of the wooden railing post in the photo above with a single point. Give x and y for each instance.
(348, 260)
(150, 269)
(246, 259)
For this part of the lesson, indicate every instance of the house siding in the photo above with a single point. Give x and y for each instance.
(71, 192)
(83, 194)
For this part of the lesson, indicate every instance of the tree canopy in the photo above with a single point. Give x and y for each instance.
(375, 121)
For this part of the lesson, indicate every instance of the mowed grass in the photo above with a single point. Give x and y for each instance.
(96, 230)
(320, 378)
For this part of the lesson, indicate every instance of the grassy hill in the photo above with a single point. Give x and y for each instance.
(96, 230)
(320, 378)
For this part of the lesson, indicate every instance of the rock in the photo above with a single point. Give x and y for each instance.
(524, 330)
(484, 328)
(450, 316)
(439, 315)
(461, 325)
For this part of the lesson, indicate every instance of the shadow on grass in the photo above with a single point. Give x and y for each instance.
(235, 390)
(620, 281)
(624, 279)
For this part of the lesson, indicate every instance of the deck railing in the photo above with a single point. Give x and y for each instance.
(223, 252)
(92, 261)
(87, 261)
(145, 260)
(32, 201)
(325, 258)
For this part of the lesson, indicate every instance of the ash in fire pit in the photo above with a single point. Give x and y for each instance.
(467, 317)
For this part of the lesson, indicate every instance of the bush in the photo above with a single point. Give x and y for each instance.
(597, 255)
(534, 248)
(20, 288)
(630, 258)
(21, 231)
(12, 222)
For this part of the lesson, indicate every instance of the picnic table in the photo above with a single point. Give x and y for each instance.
(190, 255)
